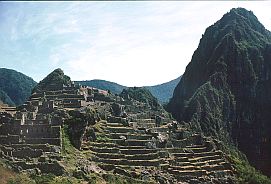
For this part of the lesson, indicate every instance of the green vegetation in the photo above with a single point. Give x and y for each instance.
(246, 174)
(141, 95)
(225, 92)
(21, 179)
(67, 147)
(77, 124)
(71, 154)
(5, 98)
(6, 174)
(55, 80)
(95, 179)
(102, 138)
(117, 179)
(52, 179)
(43, 179)
(15, 87)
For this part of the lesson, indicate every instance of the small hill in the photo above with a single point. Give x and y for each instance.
(141, 94)
(55, 80)
(163, 92)
(15, 87)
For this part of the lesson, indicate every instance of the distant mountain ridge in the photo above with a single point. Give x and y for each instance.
(15, 87)
(104, 85)
(163, 92)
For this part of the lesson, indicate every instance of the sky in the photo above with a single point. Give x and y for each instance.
(131, 43)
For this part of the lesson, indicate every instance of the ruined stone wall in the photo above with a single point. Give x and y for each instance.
(9, 139)
(64, 96)
(40, 131)
(72, 103)
(27, 151)
(51, 141)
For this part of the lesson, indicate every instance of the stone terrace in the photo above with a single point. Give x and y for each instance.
(136, 140)
(30, 135)
(138, 146)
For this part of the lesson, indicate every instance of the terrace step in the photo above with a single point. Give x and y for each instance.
(115, 125)
(208, 162)
(160, 129)
(150, 156)
(220, 174)
(205, 158)
(137, 151)
(213, 167)
(109, 155)
(197, 148)
(103, 144)
(200, 154)
(140, 115)
(104, 150)
(130, 142)
(131, 136)
(135, 142)
(193, 173)
(43, 147)
(132, 147)
(142, 124)
(120, 129)
(145, 121)
(154, 163)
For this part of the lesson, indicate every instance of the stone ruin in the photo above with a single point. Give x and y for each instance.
(30, 135)
(134, 140)
(141, 143)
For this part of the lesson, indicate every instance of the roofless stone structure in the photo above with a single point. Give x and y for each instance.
(114, 134)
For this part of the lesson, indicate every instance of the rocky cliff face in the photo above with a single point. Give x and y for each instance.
(225, 90)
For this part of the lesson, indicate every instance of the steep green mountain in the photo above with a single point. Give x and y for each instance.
(163, 92)
(225, 90)
(15, 87)
(55, 80)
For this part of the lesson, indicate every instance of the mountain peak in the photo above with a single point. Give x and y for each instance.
(241, 11)
(227, 82)
(241, 23)
(239, 14)
(55, 80)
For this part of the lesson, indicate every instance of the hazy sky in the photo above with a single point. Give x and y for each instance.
(131, 43)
